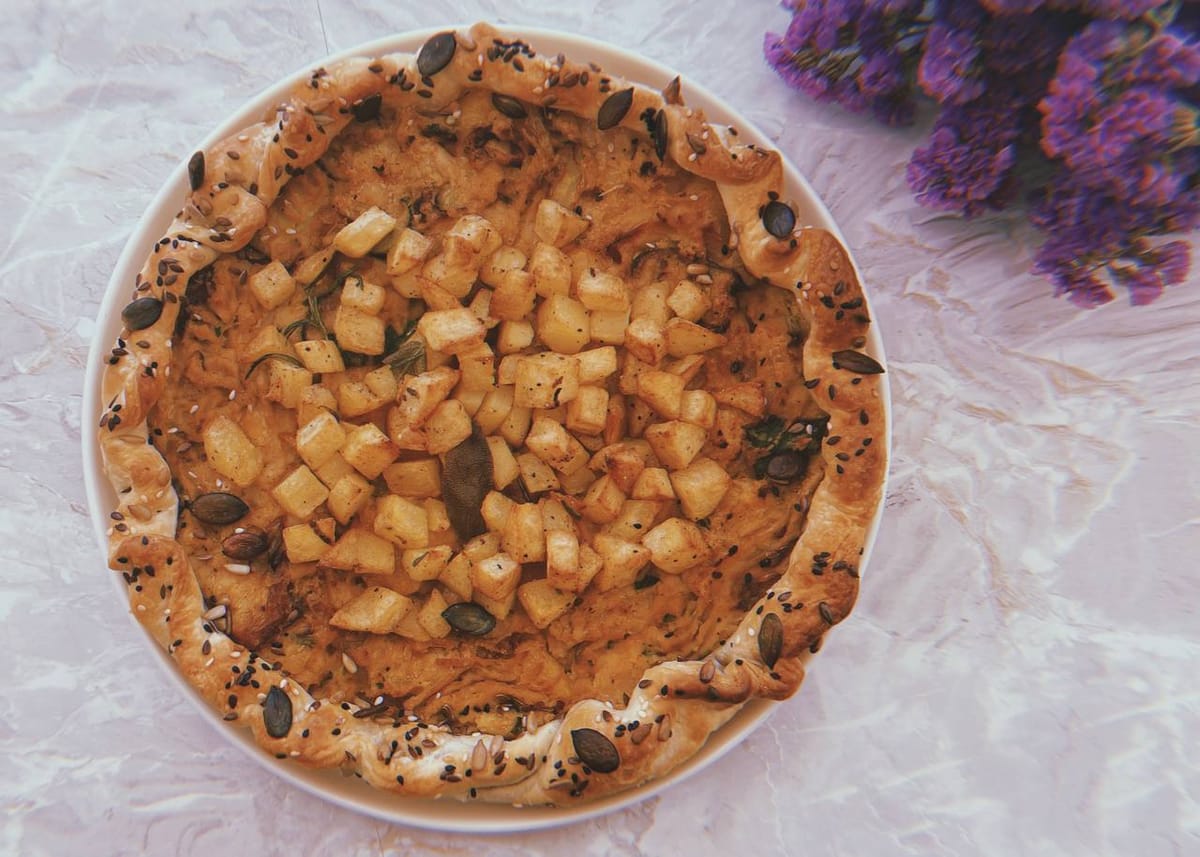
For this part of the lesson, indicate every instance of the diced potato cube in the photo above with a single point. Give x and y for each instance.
(363, 296)
(700, 487)
(286, 383)
(698, 407)
(313, 400)
(382, 382)
(555, 515)
(556, 224)
(402, 522)
(676, 545)
(621, 561)
(578, 482)
(506, 372)
(478, 367)
(504, 463)
(309, 268)
(320, 355)
(562, 561)
(231, 452)
(357, 238)
(636, 519)
(514, 336)
(494, 409)
(499, 264)
(456, 576)
(562, 324)
(368, 450)
(348, 497)
(650, 303)
(495, 510)
(451, 330)
(607, 327)
(543, 603)
(638, 417)
(471, 399)
(481, 306)
(434, 286)
(514, 296)
(596, 364)
(498, 607)
(603, 501)
(553, 444)
(689, 301)
(319, 439)
(588, 411)
(516, 425)
(653, 483)
(536, 474)
(425, 563)
(623, 462)
(662, 391)
(421, 396)
(355, 398)
(360, 552)
(419, 478)
(272, 286)
(645, 340)
(300, 493)
(376, 611)
(303, 543)
(357, 331)
(599, 290)
(524, 538)
(676, 443)
(430, 615)
(408, 251)
(686, 337)
(545, 380)
(440, 530)
(551, 270)
(475, 234)
(334, 470)
(448, 426)
(495, 576)
(746, 396)
(687, 367)
(410, 626)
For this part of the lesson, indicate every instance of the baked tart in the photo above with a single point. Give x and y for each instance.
(486, 425)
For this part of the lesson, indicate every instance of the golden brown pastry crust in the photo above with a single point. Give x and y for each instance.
(676, 705)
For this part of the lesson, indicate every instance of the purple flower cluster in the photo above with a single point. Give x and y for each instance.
(1086, 108)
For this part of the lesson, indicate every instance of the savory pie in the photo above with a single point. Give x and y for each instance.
(486, 425)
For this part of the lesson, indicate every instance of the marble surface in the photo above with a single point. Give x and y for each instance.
(1018, 677)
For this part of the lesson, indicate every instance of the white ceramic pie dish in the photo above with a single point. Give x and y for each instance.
(447, 814)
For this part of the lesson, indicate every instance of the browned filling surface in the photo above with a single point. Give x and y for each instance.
(649, 223)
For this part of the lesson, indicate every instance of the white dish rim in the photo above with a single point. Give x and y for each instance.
(349, 792)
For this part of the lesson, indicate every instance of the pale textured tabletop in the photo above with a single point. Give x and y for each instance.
(1019, 676)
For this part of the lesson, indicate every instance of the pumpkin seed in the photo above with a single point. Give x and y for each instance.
(778, 218)
(196, 170)
(785, 466)
(141, 313)
(366, 109)
(857, 362)
(509, 106)
(466, 480)
(595, 750)
(770, 639)
(244, 546)
(614, 108)
(277, 713)
(672, 92)
(468, 617)
(660, 134)
(219, 507)
(436, 54)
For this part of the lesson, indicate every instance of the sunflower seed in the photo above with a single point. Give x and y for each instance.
(436, 54)
(277, 713)
(595, 750)
(614, 108)
(468, 617)
(141, 313)
(779, 219)
(219, 507)
(857, 362)
(770, 639)
(196, 170)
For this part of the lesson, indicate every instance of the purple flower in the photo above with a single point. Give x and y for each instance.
(949, 69)
(967, 166)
